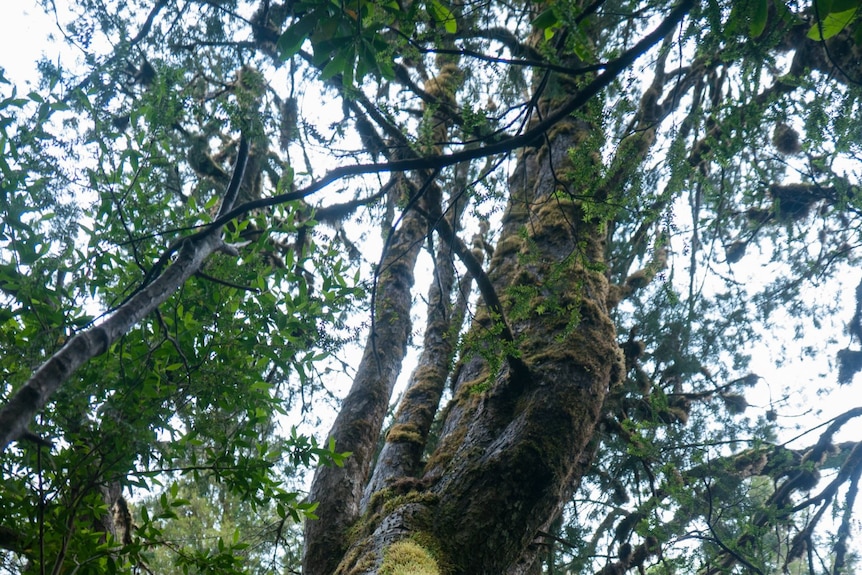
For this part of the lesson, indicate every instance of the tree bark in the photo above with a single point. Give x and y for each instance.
(402, 452)
(511, 446)
(529, 389)
(338, 490)
(503, 478)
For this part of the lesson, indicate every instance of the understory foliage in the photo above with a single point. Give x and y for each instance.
(226, 222)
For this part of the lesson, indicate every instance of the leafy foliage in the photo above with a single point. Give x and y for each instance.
(621, 166)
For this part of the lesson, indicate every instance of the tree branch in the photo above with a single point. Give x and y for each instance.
(502, 146)
(32, 397)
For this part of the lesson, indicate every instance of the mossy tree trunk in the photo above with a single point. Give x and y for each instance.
(529, 387)
(513, 441)
(509, 455)
(546, 393)
(339, 489)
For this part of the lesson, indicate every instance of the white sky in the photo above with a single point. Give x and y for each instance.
(24, 38)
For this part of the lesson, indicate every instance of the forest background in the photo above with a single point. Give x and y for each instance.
(604, 173)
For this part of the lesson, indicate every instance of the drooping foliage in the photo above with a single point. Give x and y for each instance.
(225, 223)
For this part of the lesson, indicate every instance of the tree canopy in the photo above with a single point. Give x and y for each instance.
(431, 287)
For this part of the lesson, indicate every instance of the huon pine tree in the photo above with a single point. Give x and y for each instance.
(246, 192)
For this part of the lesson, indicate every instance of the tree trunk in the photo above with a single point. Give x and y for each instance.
(511, 442)
(529, 388)
(338, 490)
(512, 469)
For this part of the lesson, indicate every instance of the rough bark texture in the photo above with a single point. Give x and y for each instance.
(530, 385)
(339, 489)
(405, 442)
(511, 446)
(523, 439)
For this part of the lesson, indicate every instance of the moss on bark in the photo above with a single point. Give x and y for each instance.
(407, 557)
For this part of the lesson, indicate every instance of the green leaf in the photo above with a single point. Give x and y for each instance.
(386, 69)
(291, 40)
(759, 13)
(546, 19)
(442, 15)
(581, 50)
(831, 24)
(843, 5)
(335, 66)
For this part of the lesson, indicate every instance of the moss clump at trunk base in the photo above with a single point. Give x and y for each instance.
(407, 557)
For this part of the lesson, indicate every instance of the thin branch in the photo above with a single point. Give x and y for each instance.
(338, 212)
(227, 283)
(486, 288)
(35, 393)
(846, 527)
(502, 146)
